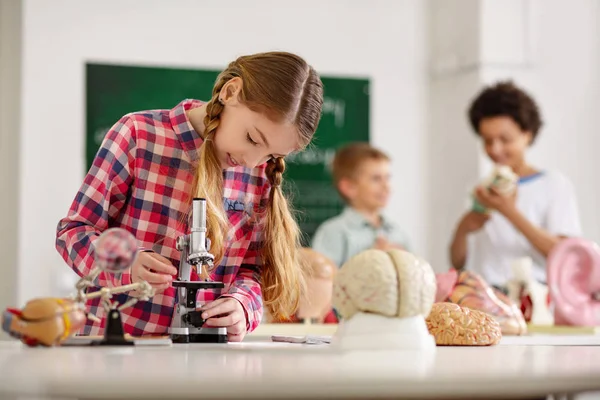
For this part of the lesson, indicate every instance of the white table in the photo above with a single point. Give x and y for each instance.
(261, 369)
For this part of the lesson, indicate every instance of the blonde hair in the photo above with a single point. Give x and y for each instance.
(283, 87)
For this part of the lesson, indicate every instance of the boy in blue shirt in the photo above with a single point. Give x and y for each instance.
(361, 175)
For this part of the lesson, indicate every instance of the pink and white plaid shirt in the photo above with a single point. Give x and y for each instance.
(140, 180)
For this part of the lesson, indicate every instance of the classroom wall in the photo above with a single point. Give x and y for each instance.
(383, 40)
(552, 49)
(452, 156)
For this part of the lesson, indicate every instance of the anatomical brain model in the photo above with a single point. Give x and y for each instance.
(452, 324)
(392, 284)
(397, 284)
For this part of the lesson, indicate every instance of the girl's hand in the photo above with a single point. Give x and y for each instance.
(154, 269)
(493, 200)
(226, 312)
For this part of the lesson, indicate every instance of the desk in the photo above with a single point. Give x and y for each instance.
(260, 369)
(266, 330)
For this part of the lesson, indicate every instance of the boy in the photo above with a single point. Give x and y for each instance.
(361, 175)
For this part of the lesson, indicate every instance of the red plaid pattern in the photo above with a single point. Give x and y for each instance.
(140, 181)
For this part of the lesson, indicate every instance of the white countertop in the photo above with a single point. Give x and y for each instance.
(261, 369)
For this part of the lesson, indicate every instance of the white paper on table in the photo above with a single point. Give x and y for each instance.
(308, 339)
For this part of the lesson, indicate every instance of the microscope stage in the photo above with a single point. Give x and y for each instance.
(198, 285)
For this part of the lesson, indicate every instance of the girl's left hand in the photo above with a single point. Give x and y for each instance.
(226, 312)
(491, 199)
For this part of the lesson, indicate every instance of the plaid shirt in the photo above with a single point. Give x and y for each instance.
(140, 181)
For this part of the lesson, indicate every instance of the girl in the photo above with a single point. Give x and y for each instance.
(230, 151)
(527, 224)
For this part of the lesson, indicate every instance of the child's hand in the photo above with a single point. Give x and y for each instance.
(154, 269)
(226, 312)
(382, 243)
(491, 199)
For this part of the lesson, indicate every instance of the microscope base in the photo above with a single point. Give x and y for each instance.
(198, 335)
(199, 338)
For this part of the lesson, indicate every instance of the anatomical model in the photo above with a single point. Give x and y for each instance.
(531, 295)
(47, 321)
(383, 299)
(397, 290)
(503, 180)
(574, 282)
(315, 304)
(467, 289)
(454, 325)
(51, 321)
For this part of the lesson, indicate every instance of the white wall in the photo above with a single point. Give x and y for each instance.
(452, 151)
(384, 40)
(10, 91)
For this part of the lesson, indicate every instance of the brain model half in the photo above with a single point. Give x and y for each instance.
(453, 325)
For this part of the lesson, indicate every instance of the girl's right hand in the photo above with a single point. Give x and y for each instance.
(473, 221)
(154, 269)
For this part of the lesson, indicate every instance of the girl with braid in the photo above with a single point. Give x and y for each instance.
(230, 151)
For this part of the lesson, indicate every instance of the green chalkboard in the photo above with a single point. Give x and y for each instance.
(115, 90)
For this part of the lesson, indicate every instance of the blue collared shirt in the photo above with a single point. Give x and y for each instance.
(349, 233)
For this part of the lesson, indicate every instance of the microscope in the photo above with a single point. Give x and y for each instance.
(187, 323)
